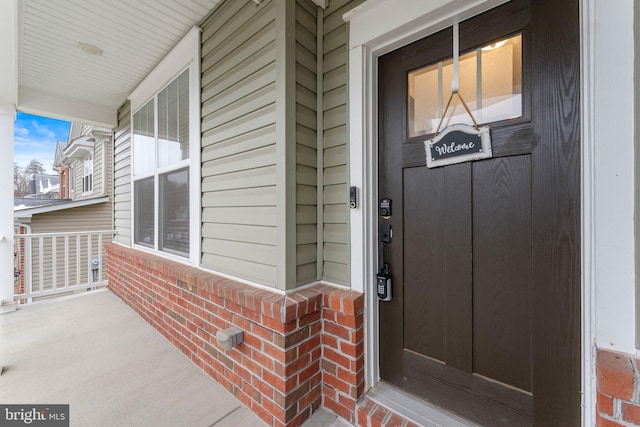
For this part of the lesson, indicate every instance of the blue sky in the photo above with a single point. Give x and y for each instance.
(35, 137)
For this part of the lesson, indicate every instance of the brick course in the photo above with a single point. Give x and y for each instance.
(373, 414)
(618, 399)
(300, 350)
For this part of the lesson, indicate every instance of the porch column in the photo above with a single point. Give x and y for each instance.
(7, 117)
(8, 102)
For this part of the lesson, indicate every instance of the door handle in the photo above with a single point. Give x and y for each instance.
(383, 278)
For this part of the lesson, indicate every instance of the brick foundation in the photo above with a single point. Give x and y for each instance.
(300, 350)
(618, 399)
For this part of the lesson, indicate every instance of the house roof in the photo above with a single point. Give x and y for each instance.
(78, 149)
(82, 139)
(31, 202)
(57, 159)
(28, 212)
(43, 183)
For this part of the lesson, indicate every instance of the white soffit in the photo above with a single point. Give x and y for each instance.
(58, 79)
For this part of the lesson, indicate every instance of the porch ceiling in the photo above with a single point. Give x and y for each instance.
(58, 79)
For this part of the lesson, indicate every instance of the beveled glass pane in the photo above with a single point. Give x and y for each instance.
(144, 151)
(173, 121)
(490, 82)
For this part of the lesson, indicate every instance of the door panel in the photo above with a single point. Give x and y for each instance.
(502, 270)
(485, 255)
(428, 313)
(429, 281)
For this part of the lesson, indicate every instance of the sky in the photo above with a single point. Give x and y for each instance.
(35, 137)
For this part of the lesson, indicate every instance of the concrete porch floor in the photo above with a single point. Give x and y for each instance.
(94, 353)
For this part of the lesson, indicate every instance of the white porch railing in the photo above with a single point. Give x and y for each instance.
(48, 264)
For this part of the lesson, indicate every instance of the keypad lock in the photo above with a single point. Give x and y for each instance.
(383, 284)
(385, 208)
(383, 278)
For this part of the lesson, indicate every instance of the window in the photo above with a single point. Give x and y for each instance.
(87, 176)
(161, 168)
(490, 82)
(64, 183)
(72, 184)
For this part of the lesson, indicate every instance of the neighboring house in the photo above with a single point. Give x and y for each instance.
(270, 174)
(44, 186)
(85, 167)
(86, 162)
(64, 172)
(30, 202)
(20, 245)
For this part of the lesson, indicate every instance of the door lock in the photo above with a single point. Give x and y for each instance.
(383, 278)
(386, 233)
(385, 208)
(383, 283)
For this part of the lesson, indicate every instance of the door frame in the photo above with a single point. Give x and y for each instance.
(402, 25)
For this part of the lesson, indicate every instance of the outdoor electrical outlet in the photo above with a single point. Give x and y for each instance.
(230, 337)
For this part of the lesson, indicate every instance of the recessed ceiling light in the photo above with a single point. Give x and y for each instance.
(90, 49)
(495, 45)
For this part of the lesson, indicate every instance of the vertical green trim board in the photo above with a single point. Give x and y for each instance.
(636, 137)
(320, 139)
(286, 143)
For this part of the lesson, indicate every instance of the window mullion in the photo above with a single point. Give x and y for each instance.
(478, 111)
(440, 92)
(156, 184)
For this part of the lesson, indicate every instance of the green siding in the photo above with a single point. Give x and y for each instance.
(335, 139)
(122, 177)
(306, 49)
(239, 194)
(261, 160)
(636, 27)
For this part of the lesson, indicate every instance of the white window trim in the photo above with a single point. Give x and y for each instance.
(85, 191)
(185, 55)
(72, 184)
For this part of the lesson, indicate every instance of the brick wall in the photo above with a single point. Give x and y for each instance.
(343, 351)
(300, 350)
(618, 398)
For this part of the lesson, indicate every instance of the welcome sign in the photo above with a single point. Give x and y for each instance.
(457, 144)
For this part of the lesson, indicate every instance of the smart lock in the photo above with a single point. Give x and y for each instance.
(385, 208)
(383, 283)
(383, 278)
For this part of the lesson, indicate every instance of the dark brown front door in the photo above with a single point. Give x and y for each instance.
(485, 255)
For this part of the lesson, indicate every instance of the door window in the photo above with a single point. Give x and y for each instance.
(490, 81)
